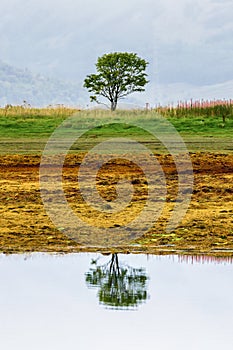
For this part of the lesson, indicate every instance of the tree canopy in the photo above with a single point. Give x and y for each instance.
(118, 75)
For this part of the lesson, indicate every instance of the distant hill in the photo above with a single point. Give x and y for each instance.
(18, 85)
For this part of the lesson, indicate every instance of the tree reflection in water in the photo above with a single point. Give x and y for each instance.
(120, 286)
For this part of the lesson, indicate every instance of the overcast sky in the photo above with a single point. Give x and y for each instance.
(185, 41)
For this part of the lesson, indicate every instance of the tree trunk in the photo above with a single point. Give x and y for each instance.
(113, 105)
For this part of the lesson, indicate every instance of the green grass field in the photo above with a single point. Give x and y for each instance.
(26, 130)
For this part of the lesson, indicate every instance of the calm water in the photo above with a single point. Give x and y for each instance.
(91, 301)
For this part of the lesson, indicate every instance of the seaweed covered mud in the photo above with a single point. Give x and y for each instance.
(207, 227)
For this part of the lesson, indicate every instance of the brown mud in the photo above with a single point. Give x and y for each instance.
(207, 227)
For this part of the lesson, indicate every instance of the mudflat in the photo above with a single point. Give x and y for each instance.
(207, 227)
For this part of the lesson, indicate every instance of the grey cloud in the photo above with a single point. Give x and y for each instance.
(184, 41)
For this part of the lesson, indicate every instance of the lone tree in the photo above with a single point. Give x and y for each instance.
(119, 74)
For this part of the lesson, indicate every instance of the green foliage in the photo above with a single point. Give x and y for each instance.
(119, 74)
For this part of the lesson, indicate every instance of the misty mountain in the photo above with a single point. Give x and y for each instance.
(18, 85)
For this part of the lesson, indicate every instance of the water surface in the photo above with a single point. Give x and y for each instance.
(77, 302)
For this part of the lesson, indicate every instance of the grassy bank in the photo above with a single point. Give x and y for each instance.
(26, 130)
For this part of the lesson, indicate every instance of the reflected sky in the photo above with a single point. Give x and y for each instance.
(45, 304)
